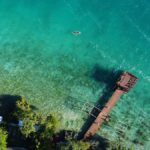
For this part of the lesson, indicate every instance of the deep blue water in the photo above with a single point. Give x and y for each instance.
(41, 60)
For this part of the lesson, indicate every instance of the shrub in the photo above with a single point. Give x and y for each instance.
(75, 145)
(3, 138)
(80, 145)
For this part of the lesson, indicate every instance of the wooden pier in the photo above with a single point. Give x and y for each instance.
(123, 85)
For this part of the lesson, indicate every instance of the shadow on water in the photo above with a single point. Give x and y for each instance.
(109, 78)
(101, 75)
(8, 105)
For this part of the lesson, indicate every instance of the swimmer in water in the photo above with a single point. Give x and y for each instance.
(76, 32)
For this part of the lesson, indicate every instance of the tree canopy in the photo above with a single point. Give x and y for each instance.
(38, 127)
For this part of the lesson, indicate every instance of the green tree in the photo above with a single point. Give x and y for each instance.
(3, 138)
(48, 127)
(37, 127)
(28, 116)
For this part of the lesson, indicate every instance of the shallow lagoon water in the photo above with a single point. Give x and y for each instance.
(41, 60)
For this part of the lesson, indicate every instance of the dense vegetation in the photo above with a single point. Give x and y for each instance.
(36, 127)
(35, 131)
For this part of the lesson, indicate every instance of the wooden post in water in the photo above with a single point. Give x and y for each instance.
(125, 82)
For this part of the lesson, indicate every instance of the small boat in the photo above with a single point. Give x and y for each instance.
(76, 32)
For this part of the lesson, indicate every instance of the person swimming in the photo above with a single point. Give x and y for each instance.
(76, 32)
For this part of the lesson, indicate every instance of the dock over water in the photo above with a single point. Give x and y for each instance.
(123, 85)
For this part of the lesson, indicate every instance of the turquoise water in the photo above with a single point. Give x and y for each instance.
(41, 60)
